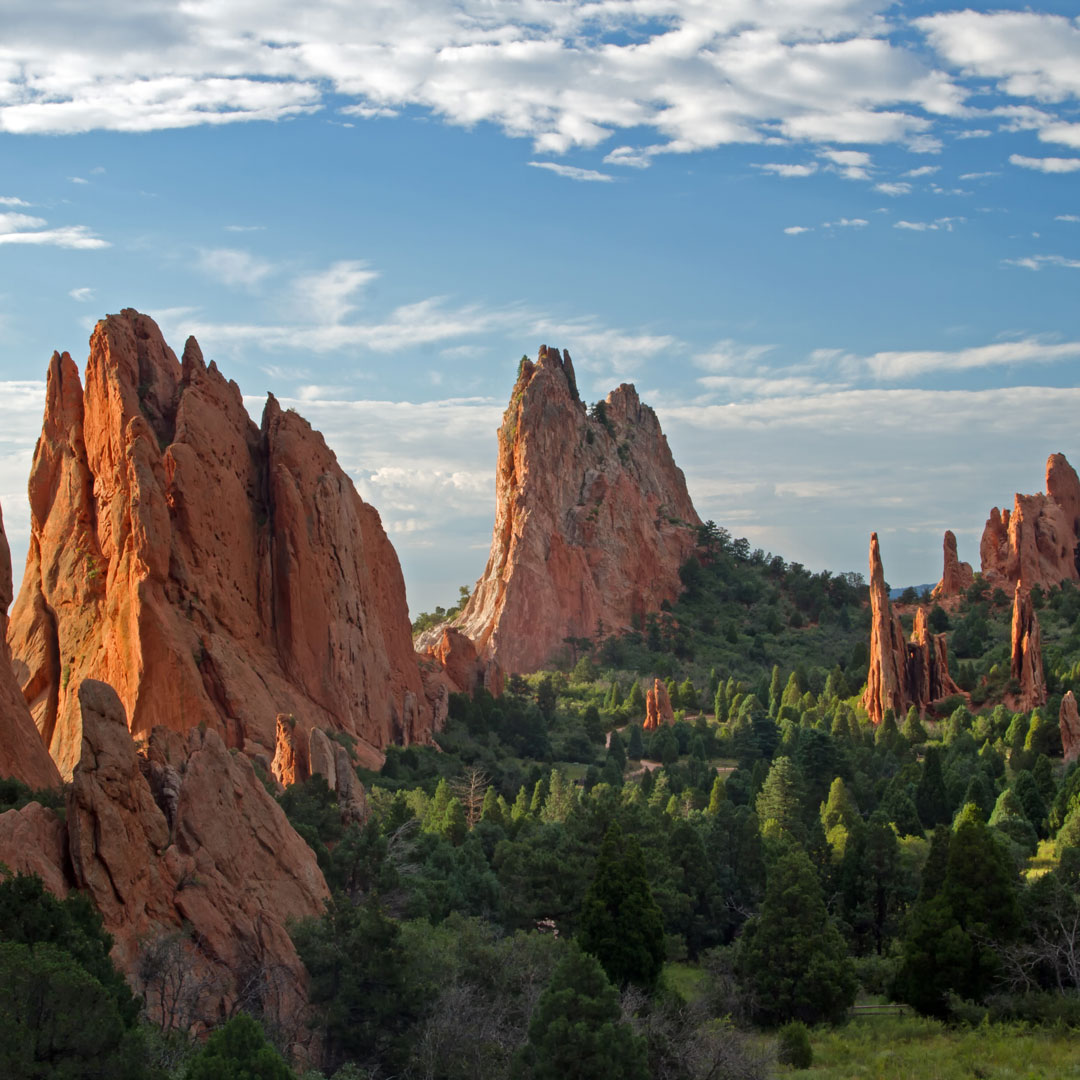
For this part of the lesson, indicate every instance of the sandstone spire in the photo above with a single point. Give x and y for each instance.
(592, 519)
(1027, 665)
(956, 576)
(901, 673)
(1069, 721)
(215, 573)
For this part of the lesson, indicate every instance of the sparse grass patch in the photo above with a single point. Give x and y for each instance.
(892, 1048)
(686, 980)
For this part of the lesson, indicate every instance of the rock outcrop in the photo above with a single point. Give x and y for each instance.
(1069, 721)
(592, 519)
(181, 835)
(1027, 665)
(1038, 542)
(956, 576)
(23, 754)
(214, 572)
(658, 709)
(464, 666)
(902, 673)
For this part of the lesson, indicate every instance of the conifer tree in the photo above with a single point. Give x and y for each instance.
(775, 690)
(621, 924)
(717, 795)
(635, 703)
(635, 748)
(575, 1032)
(931, 799)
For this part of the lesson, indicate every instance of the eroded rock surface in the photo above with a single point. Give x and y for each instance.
(1036, 543)
(1026, 663)
(214, 572)
(23, 754)
(592, 519)
(658, 709)
(902, 673)
(956, 576)
(1069, 721)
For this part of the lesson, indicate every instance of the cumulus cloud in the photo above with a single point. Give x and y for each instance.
(893, 188)
(1037, 262)
(846, 223)
(796, 230)
(922, 170)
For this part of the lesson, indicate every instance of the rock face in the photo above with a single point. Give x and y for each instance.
(657, 707)
(214, 572)
(463, 665)
(217, 854)
(957, 576)
(592, 519)
(1069, 721)
(1037, 542)
(1027, 665)
(901, 673)
(23, 755)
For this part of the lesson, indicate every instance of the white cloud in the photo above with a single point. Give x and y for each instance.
(850, 164)
(922, 170)
(913, 226)
(846, 223)
(571, 172)
(82, 295)
(905, 365)
(235, 268)
(244, 228)
(789, 170)
(1046, 164)
(977, 175)
(18, 228)
(795, 230)
(78, 180)
(11, 200)
(1068, 217)
(728, 355)
(330, 295)
(893, 188)
(1037, 262)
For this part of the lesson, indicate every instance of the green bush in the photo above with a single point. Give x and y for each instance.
(794, 1047)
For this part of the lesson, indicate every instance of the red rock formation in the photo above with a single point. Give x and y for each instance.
(217, 854)
(215, 573)
(1038, 542)
(1069, 720)
(592, 519)
(901, 673)
(1027, 666)
(33, 840)
(956, 576)
(290, 764)
(463, 665)
(657, 707)
(22, 753)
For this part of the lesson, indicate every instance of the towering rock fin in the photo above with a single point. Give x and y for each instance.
(956, 576)
(1027, 665)
(592, 519)
(212, 572)
(902, 673)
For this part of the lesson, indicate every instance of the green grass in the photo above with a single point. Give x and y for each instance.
(686, 980)
(892, 1048)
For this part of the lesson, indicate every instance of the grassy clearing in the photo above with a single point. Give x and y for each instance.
(893, 1048)
(684, 979)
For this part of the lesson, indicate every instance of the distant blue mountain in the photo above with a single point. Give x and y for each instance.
(894, 594)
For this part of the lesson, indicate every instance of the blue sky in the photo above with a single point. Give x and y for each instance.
(835, 243)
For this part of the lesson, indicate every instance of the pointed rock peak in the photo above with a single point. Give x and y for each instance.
(1063, 486)
(1069, 722)
(63, 393)
(877, 571)
(192, 361)
(271, 411)
(956, 576)
(1027, 665)
(592, 520)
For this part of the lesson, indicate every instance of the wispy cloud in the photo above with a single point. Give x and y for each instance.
(1038, 262)
(893, 188)
(83, 294)
(17, 228)
(234, 267)
(571, 172)
(846, 223)
(905, 365)
(788, 171)
(796, 230)
(1046, 164)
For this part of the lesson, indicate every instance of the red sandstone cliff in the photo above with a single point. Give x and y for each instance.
(1038, 542)
(214, 572)
(182, 835)
(1069, 722)
(658, 709)
(956, 576)
(22, 753)
(592, 519)
(902, 673)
